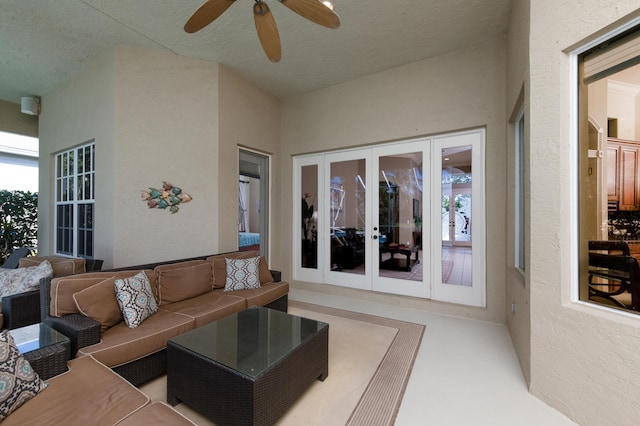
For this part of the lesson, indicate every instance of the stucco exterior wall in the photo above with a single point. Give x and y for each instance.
(249, 118)
(13, 121)
(516, 286)
(78, 111)
(155, 117)
(584, 360)
(166, 129)
(459, 90)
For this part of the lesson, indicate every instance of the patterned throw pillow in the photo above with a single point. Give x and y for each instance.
(135, 299)
(15, 281)
(18, 381)
(242, 274)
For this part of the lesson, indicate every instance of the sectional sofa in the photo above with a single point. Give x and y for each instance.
(89, 308)
(92, 394)
(189, 293)
(23, 308)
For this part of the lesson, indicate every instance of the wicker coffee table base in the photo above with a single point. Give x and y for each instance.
(229, 398)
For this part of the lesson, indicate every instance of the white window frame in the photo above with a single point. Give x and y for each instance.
(574, 188)
(68, 192)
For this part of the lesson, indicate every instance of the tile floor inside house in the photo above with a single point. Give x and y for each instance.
(466, 371)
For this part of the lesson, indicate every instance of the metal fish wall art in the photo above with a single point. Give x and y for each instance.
(169, 197)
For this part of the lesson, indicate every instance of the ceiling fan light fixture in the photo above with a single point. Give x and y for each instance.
(328, 4)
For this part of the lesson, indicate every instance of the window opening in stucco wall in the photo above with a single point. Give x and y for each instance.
(609, 172)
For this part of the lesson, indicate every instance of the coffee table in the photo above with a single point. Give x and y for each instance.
(247, 368)
(46, 349)
(399, 264)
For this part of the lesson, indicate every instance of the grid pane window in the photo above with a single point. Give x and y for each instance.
(75, 183)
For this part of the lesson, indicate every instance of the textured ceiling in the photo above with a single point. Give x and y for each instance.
(43, 42)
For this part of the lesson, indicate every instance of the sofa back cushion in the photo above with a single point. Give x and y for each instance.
(62, 266)
(99, 302)
(220, 267)
(63, 288)
(183, 280)
(20, 280)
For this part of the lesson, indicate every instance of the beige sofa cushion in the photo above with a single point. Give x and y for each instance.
(99, 302)
(156, 414)
(181, 281)
(87, 392)
(208, 307)
(121, 344)
(267, 293)
(63, 288)
(220, 267)
(62, 266)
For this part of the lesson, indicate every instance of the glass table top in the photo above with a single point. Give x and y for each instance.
(36, 336)
(250, 341)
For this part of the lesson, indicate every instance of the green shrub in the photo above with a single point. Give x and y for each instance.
(18, 221)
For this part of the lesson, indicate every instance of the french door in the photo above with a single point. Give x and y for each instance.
(368, 219)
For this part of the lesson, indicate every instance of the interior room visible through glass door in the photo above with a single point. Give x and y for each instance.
(457, 180)
(253, 202)
(400, 216)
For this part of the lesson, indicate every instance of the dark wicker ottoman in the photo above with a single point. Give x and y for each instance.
(46, 349)
(248, 368)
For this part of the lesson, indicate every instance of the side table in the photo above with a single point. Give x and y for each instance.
(46, 349)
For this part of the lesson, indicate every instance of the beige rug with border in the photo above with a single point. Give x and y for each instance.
(370, 361)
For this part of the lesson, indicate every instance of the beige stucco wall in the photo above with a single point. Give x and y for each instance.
(516, 286)
(459, 90)
(584, 361)
(249, 118)
(13, 121)
(155, 117)
(80, 110)
(166, 129)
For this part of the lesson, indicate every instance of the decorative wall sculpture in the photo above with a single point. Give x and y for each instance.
(168, 197)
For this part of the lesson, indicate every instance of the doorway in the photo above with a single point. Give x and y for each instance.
(367, 217)
(253, 202)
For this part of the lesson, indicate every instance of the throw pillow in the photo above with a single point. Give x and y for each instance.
(99, 302)
(18, 381)
(136, 299)
(242, 274)
(20, 280)
(220, 272)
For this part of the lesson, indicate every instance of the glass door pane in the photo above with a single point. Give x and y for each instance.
(309, 216)
(458, 260)
(399, 216)
(401, 264)
(457, 181)
(347, 215)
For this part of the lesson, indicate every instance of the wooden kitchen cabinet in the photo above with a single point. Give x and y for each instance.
(623, 173)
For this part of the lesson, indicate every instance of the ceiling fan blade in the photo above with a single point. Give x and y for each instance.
(267, 31)
(315, 11)
(206, 14)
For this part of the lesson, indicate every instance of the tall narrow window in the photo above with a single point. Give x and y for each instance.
(519, 193)
(74, 201)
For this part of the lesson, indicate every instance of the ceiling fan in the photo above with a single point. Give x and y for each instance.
(313, 10)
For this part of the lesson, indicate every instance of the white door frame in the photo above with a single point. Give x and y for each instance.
(432, 285)
(474, 295)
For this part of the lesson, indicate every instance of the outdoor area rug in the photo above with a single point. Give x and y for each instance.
(370, 361)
